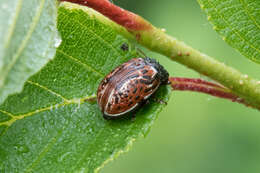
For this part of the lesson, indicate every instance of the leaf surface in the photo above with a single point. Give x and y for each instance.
(54, 124)
(238, 22)
(27, 41)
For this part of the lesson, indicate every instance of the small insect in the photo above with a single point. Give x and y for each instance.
(124, 47)
(129, 86)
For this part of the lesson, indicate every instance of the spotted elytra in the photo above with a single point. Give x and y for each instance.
(129, 85)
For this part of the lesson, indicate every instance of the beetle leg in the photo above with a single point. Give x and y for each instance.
(146, 102)
(106, 117)
(133, 117)
(160, 101)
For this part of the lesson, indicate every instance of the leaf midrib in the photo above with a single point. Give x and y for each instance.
(24, 43)
(233, 30)
(12, 26)
(66, 102)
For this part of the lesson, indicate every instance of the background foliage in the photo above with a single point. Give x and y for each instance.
(196, 133)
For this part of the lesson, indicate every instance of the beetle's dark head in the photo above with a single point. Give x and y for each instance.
(162, 73)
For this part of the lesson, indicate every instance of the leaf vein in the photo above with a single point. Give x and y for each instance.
(83, 155)
(4, 131)
(7, 113)
(25, 41)
(12, 27)
(50, 144)
(233, 30)
(47, 147)
(7, 126)
(99, 37)
(47, 89)
(246, 9)
(21, 116)
(80, 62)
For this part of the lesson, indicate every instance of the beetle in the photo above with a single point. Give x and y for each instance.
(129, 85)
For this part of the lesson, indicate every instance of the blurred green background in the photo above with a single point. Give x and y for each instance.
(195, 133)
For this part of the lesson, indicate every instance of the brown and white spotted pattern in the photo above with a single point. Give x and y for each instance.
(127, 86)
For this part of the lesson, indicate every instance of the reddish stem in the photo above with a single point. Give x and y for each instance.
(133, 22)
(123, 17)
(198, 85)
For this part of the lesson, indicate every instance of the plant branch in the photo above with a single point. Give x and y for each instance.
(156, 40)
(202, 86)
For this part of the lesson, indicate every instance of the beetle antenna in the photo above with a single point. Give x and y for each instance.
(141, 52)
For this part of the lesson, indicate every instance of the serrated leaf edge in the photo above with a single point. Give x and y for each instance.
(233, 30)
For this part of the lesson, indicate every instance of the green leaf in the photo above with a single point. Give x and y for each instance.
(238, 22)
(27, 41)
(55, 124)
